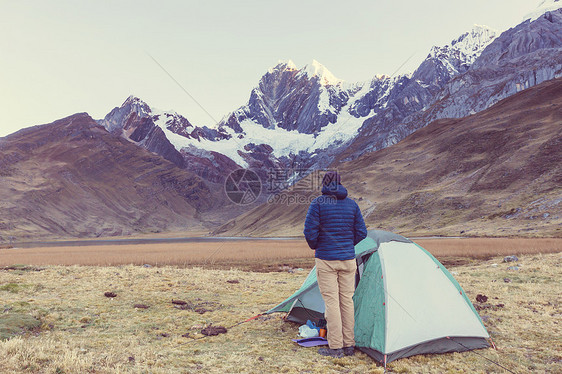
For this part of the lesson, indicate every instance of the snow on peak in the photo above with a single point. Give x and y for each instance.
(316, 69)
(472, 43)
(543, 7)
(474, 39)
(132, 99)
(468, 46)
(283, 65)
(138, 105)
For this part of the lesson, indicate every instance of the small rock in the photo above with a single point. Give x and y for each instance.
(481, 298)
(140, 306)
(510, 259)
(500, 305)
(233, 281)
(147, 266)
(186, 335)
(213, 330)
(110, 294)
(507, 280)
(131, 358)
(494, 265)
(513, 268)
(179, 302)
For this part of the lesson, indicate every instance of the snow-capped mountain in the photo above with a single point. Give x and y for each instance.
(306, 118)
(543, 7)
(521, 57)
(310, 112)
(170, 135)
(295, 118)
(462, 52)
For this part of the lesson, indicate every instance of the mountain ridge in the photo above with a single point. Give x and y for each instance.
(494, 173)
(300, 119)
(71, 178)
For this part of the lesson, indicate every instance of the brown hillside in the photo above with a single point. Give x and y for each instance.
(72, 178)
(494, 173)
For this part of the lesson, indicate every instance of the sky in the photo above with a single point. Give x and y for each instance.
(60, 57)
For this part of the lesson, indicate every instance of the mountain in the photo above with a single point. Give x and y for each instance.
(519, 58)
(498, 172)
(322, 114)
(297, 119)
(72, 178)
(306, 119)
(170, 135)
(544, 7)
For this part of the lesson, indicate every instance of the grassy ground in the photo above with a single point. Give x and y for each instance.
(84, 331)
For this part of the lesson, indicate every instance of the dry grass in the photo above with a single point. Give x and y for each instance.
(178, 254)
(254, 255)
(467, 250)
(482, 248)
(83, 331)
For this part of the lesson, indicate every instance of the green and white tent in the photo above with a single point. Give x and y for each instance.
(406, 302)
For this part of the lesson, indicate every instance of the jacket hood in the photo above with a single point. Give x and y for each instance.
(338, 191)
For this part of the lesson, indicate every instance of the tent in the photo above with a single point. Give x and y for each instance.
(406, 302)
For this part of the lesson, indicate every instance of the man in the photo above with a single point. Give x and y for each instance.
(333, 226)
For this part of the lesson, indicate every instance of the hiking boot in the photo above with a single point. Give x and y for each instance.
(349, 351)
(337, 353)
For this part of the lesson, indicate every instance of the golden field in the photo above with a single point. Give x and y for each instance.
(258, 255)
(82, 331)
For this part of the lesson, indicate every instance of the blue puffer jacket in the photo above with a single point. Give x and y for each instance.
(334, 225)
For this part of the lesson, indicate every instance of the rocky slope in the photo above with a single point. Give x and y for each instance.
(498, 173)
(71, 178)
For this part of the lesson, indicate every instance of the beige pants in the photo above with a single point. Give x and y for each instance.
(336, 281)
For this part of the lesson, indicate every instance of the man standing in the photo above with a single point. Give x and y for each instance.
(333, 226)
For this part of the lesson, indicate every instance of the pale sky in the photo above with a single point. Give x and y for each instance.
(58, 58)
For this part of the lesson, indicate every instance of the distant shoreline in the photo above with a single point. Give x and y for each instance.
(135, 241)
(204, 239)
